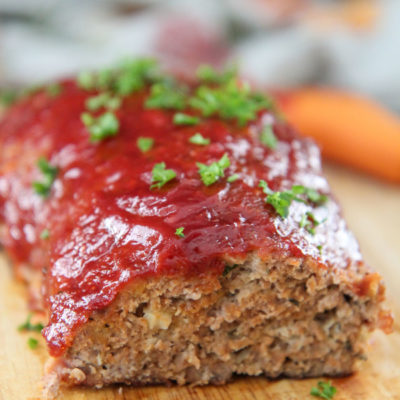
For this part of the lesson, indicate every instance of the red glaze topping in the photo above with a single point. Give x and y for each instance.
(108, 227)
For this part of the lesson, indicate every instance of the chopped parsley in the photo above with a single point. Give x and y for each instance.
(134, 74)
(49, 172)
(206, 73)
(45, 234)
(231, 100)
(211, 173)
(101, 127)
(185, 119)
(54, 89)
(166, 95)
(103, 100)
(33, 343)
(325, 390)
(145, 144)
(315, 197)
(229, 268)
(8, 97)
(281, 201)
(160, 175)
(198, 139)
(309, 222)
(179, 232)
(128, 77)
(86, 80)
(28, 326)
(233, 178)
(319, 247)
(268, 137)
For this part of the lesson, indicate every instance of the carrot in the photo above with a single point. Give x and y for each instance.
(350, 129)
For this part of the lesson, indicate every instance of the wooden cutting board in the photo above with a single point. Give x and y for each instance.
(373, 212)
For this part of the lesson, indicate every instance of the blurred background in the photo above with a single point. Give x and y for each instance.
(352, 44)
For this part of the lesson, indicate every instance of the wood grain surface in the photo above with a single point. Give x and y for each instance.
(373, 212)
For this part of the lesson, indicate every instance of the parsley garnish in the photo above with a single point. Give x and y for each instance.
(86, 80)
(134, 74)
(160, 175)
(211, 173)
(49, 174)
(102, 127)
(8, 97)
(198, 139)
(54, 89)
(233, 178)
(128, 77)
(28, 326)
(33, 343)
(208, 74)
(268, 137)
(179, 232)
(185, 119)
(166, 95)
(309, 222)
(45, 234)
(319, 247)
(145, 144)
(230, 101)
(281, 201)
(229, 268)
(103, 100)
(324, 390)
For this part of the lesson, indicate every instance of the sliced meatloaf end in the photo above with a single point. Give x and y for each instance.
(182, 232)
(277, 317)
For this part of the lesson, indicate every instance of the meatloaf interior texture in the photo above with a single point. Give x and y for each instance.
(277, 317)
(182, 231)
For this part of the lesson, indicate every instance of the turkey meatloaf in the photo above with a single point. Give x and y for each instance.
(182, 232)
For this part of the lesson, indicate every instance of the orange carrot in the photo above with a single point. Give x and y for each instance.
(350, 129)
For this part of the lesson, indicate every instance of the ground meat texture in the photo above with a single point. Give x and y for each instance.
(193, 280)
(285, 317)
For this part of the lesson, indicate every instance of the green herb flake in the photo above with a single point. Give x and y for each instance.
(179, 232)
(8, 97)
(325, 390)
(229, 268)
(320, 247)
(102, 127)
(309, 222)
(45, 234)
(206, 73)
(86, 80)
(211, 173)
(54, 89)
(281, 201)
(145, 144)
(33, 343)
(103, 100)
(134, 74)
(233, 178)
(28, 326)
(185, 119)
(268, 137)
(166, 95)
(161, 175)
(231, 100)
(198, 139)
(49, 172)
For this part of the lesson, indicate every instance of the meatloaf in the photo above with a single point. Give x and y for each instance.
(179, 231)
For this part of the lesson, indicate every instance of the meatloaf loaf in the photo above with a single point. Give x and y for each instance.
(179, 231)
